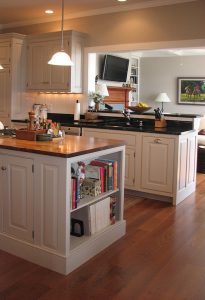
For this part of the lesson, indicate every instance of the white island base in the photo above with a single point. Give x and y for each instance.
(35, 208)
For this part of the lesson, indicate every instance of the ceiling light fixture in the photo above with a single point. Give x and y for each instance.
(1, 67)
(49, 11)
(61, 58)
(122, 0)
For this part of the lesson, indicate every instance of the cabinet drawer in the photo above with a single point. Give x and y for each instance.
(110, 134)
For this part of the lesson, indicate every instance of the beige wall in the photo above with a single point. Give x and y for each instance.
(174, 22)
(160, 24)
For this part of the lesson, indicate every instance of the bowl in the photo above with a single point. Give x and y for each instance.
(44, 137)
(138, 109)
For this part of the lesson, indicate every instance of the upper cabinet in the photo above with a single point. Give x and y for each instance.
(5, 52)
(12, 77)
(44, 77)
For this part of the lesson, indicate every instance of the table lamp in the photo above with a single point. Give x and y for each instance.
(101, 89)
(162, 98)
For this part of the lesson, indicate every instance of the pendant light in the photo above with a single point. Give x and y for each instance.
(61, 58)
(1, 67)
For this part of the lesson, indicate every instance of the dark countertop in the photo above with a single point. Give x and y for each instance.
(119, 123)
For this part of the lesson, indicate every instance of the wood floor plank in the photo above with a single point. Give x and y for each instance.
(161, 257)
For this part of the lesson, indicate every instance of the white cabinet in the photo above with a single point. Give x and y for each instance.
(12, 77)
(129, 168)
(5, 52)
(17, 197)
(5, 91)
(44, 77)
(157, 163)
(159, 166)
(35, 206)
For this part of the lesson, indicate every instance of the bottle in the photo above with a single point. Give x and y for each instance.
(77, 111)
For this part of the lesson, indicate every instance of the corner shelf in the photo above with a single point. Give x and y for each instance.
(88, 200)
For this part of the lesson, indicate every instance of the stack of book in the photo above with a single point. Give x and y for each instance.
(103, 170)
(97, 216)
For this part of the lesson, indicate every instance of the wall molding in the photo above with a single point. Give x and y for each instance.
(94, 12)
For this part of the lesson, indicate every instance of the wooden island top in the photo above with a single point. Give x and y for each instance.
(69, 146)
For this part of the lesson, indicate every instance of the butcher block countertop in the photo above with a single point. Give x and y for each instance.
(69, 146)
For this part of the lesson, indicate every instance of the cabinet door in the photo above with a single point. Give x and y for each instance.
(17, 188)
(129, 168)
(43, 76)
(157, 164)
(75, 73)
(5, 91)
(5, 53)
(39, 70)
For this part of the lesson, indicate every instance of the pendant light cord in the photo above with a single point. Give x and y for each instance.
(62, 21)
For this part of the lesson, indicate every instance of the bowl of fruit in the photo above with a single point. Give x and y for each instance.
(140, 108)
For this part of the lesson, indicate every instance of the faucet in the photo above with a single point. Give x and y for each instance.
(126, 114)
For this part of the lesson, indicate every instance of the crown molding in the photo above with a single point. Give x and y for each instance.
(94, 12)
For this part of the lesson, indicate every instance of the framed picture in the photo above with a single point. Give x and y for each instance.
(191, 90)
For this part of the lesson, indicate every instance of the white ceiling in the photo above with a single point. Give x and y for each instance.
(15, 13)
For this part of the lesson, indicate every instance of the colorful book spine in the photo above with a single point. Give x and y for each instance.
(73, 196)
(103, 173)
(114, 173)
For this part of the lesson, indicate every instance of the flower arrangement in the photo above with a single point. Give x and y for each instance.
(97, 98)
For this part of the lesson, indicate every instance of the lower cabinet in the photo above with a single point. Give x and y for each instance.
(17, 196)
(129, 168)
(157, 164)
(160, 166)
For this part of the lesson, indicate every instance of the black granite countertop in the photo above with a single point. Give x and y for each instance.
(173, 128)
(120, 123)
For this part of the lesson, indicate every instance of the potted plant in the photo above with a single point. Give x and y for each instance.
(97, 99)
(98, 96)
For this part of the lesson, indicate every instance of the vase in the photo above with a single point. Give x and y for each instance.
(97, 106)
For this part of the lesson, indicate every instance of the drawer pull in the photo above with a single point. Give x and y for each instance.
(3, 168)
(157, 141)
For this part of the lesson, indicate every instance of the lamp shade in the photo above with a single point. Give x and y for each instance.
(60, 58)
(162, 97)
(1, 68)
(101, 89)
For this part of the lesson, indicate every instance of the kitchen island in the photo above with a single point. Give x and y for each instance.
(160, 162)
(35, 200)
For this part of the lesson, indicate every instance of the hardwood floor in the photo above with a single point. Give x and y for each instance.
(162, 256)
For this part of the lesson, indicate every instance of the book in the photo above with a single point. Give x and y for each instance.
(110, 168)
(103, 172)
(92, 218)
(99, 215)
(73, 196)
(114, 174)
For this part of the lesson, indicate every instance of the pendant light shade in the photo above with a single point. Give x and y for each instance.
(61, 58)
(1, 68)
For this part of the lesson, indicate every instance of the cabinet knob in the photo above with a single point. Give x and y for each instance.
(3, 168)
(157, 141)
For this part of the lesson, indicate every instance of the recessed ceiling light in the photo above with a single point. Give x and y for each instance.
(49, 11)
